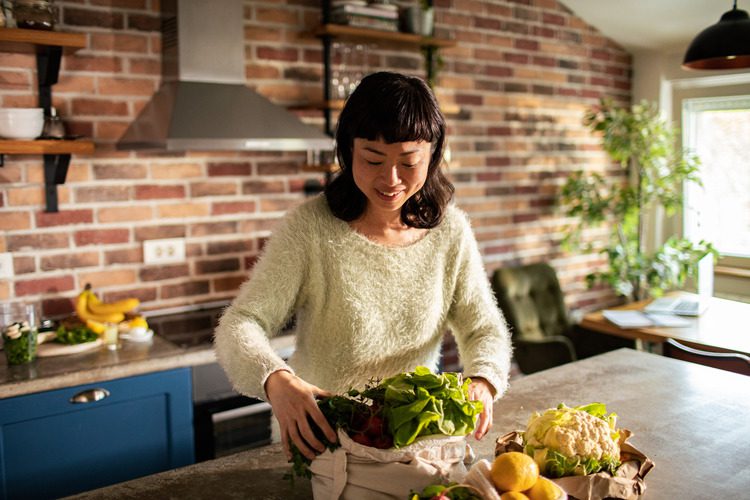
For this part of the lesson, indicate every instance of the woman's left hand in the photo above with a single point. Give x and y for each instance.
(481, 390)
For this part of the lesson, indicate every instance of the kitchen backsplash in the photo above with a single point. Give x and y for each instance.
(516, 85)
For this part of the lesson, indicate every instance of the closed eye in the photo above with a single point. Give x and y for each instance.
(374, 163)
(410, 165)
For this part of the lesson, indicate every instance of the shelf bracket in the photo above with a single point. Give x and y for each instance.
(55, 171)
(48, 59)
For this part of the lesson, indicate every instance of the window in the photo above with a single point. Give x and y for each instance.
(717, 129)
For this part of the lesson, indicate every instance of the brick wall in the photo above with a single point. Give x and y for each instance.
(521, 75)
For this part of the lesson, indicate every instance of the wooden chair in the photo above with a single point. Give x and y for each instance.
(733, 362)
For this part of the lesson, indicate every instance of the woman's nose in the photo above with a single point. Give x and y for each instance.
(390, 175)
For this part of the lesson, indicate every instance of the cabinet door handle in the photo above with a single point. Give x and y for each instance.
(90, 395)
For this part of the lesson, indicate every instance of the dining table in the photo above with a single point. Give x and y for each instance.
(722, 327)
(690, 420)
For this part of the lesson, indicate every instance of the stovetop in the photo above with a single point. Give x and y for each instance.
(193, 327)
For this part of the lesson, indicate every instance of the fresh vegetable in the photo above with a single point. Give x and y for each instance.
(421, 403)
(74, 334)
(573, 441)
(396, 411)
(452, 491)
(19, 343)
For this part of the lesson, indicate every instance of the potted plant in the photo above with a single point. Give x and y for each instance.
(644, 145)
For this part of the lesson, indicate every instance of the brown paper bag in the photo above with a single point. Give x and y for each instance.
(358, 472)
(629, 482)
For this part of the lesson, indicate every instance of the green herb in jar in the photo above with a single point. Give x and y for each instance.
(19, 342)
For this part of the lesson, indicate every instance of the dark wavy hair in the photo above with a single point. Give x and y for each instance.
(393, 108)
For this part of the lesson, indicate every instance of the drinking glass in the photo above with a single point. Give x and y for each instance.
(18, 325)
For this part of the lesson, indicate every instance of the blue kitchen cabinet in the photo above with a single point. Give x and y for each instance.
(66, 441)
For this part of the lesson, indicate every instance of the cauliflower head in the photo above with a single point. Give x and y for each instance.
(573, 441)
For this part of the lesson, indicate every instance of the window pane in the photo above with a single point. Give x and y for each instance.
(718, 131)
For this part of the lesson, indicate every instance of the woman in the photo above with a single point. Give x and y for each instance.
(374, 271)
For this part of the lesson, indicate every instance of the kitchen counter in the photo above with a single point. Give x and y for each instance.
(101, 364)
(689, 419)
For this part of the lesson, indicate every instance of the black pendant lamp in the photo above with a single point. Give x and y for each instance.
(724, 45)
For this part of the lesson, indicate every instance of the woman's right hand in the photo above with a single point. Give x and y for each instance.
(293, 400)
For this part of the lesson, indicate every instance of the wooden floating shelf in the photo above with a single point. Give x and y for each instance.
(368, 34)
(26, 40)
(46, 147)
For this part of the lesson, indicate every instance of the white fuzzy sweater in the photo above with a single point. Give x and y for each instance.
(363, 310)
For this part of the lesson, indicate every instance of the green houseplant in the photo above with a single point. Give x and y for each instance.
(644, 145)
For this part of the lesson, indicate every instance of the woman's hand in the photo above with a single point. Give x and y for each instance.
(293, 400)
(481, 390)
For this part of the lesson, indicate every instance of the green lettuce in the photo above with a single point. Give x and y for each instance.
(422, 403)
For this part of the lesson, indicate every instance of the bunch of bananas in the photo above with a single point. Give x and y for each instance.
(96, 314)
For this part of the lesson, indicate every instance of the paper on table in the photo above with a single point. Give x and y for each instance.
(627, 319)
(638, 319)
(668, 320)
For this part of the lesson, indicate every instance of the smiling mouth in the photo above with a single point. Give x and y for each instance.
(389, 195)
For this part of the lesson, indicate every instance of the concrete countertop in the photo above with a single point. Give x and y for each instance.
(100, 364)
(666, 403)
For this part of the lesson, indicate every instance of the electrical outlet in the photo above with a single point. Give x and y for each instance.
(164, 251)
(6, 265)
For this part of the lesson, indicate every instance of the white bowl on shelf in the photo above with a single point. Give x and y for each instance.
(21, 123)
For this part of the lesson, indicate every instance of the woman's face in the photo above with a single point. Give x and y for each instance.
(389, 174)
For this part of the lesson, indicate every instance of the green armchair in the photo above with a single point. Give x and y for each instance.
(543, 336)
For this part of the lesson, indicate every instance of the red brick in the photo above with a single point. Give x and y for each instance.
(128, 256)
(159, 232)
(277, 168)
(15, 79)
(185, 289)
(44, 241)
(213, 228)
(94, 18)
(276, 54)
(233, 207)
(199, 189)
(102, 193)
(125, 43)
(24, 265)
(143, 22)
(228, 284)
(126, 86)
(262, 186)
(69, 261)
(163, 272)
(229, 169)
(101, 236)
(159, 191)
(120, 171)
(142, 293)
(233, 246)
(525, 44)
(44, 285)
(217, 266)
(99, 107)
(99, 64)
(64, 217)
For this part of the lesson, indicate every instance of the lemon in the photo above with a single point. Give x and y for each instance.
(138, 322)
(544, 489)
(513, 495)
(514, 471)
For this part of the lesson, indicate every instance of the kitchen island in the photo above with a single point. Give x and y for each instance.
(690, 420)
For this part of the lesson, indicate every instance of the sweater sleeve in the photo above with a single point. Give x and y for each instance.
(478, 326)
(263, 306)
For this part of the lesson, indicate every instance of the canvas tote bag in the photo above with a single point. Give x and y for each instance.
(357, 472)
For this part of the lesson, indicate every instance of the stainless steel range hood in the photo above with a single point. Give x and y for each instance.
(203, 103)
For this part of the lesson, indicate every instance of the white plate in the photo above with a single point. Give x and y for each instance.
(49, 349)
(138, 338)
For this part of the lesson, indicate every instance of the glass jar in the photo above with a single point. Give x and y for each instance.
(34, 14)
(19, 331)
